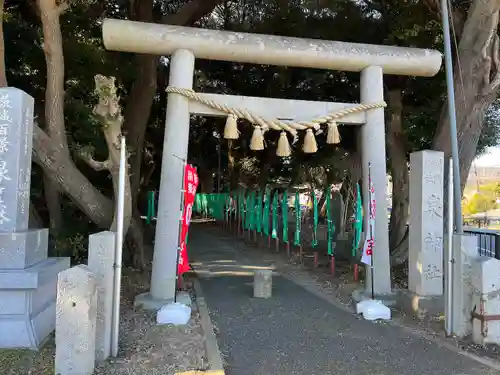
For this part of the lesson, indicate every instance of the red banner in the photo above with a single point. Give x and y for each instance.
(190, 186)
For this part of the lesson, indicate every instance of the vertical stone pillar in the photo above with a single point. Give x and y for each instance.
(101, 262)
(175, 150)
(373, 152)
(425, 270)
(76, 322)
(465, 253)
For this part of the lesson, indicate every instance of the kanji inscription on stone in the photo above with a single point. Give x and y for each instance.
(426, 223)
(16, 140)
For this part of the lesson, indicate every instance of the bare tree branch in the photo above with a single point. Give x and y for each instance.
(94, 164)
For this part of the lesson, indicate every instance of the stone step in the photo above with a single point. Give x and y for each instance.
(34, 276)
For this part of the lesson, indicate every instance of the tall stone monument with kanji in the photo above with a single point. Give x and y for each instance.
(28, 278)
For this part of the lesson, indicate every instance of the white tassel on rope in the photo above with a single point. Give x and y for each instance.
(257, 141)
(333, 136)
(283, 149)
(231, 128)
(310, 145)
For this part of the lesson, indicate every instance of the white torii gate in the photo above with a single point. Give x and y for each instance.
(184, 44)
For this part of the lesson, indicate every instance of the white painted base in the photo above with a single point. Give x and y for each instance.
(174, 313)
(373, 310)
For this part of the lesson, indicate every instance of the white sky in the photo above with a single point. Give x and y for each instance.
(489, 159)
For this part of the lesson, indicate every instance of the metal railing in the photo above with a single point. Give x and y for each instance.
(488, 241)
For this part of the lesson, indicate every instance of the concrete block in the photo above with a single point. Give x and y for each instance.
(101, 262)
(76, 321)
(465, 254)
(263, 283)
(486, 300)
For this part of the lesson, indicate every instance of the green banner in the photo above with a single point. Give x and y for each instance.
(252, 211)
(329, 221)
(151, 207)
(358, 222)
(248, 212)
(315, 220)
(265, 213)
(284, 214)
(258, 212)
(296, 238)
(274, 233)
(241, 205)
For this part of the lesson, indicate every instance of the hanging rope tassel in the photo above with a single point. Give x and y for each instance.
(283, 146)
(231, 128)
(257, 141)
(333, 136)
(310, 145)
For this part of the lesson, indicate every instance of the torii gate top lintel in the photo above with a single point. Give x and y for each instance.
(158, 39)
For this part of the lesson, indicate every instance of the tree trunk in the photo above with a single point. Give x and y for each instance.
(231, 163)
(399, 167)
(94, 204)
(141, 97)
(69, 179)
(206, 180)
(477, 80)
(54, 99)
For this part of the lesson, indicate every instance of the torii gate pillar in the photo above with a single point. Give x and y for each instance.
(373, 153)
(175, 152)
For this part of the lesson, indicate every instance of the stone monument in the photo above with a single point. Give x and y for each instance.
(28, 278)
(425, 273)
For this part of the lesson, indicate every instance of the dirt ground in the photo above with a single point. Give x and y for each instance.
(145, 348)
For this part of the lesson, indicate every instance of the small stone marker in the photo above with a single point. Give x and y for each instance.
(263, 283)
(425, 271)
(76, 316)
(101, 263)
(465, 255)
(486, 300)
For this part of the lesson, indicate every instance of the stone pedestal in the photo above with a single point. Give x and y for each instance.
(28, 279)
(425, 269)
(263, 283)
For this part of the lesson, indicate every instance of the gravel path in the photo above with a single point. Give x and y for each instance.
(297, 332)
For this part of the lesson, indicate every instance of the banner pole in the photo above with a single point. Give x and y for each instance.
(180, 225)
(370, 226)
